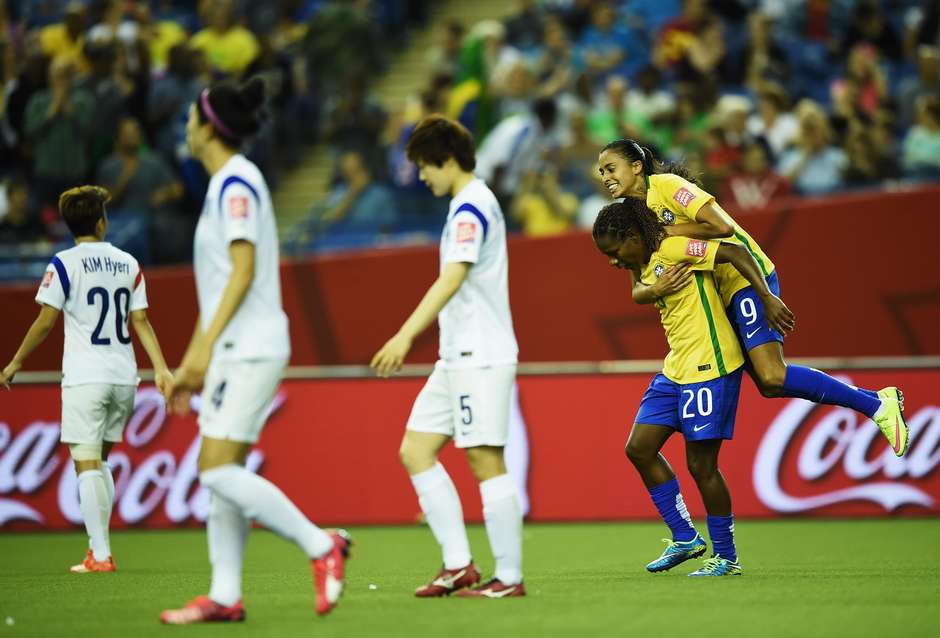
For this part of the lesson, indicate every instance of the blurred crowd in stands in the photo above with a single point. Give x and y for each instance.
(764, 99)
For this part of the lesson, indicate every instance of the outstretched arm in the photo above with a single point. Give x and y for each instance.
(778, 315)
(710, 223)
(36, 334)
(390, 357)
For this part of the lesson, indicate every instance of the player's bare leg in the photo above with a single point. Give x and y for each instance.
(702, 460)
(643, 450)
(442, 510)
(95, 499)
(502, 514)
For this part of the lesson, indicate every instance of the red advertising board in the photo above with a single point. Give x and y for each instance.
(332, 446)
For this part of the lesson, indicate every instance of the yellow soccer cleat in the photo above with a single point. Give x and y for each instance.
(891, 421)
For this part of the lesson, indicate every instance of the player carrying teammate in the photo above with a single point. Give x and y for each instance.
(237, 354)
(628, 170)
(467, 397)
(100, 288)
(697, 392)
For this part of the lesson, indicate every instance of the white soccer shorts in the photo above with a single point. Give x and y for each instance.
(470, 405)
(236, 396)
(93, 413)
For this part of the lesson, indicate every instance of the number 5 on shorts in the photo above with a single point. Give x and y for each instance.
(467, 417)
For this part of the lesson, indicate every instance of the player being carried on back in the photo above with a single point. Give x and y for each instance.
(100, 288)
(467, 397)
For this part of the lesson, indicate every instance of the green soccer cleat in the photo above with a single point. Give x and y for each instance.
(891, 422)
(718, 566)
(677, 552)
(892, 393)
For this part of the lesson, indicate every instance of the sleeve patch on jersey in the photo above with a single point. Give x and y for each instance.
(684, 196)
(47, 278)
(696, 248)
(466, 232)
(238, 207)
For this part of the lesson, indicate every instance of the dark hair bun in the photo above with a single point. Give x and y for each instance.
(252, 94)
(240, 108)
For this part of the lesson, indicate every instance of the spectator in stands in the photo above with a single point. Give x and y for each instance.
(926, 82)
(57, 124)
(864, 85)
(650, 16)
(869, 25)
(524, 27)
(139, 180)
(169, 100)
(540, 205)
(515, 88)
(67, 38)
(19, 223)
(677, 36)
(33, 77)
(646, 98)
(921, 155)
(727, 136)
(355, 121)
(763, 59)
(607, 47)
(692, 118)
(229, 47)
(12, 37)
(773, 121)
(577, 160)
(108, 92)
(445, 55)
(606, 121)
(867, 162)
(756, 185)
(342, 41)
(814, 166)
(357, 203)
(554, 67)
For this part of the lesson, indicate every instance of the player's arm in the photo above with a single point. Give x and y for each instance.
(193, 369)
(148, 339)
(710, 223)
(671, 281)
(390, 357)
(36, 334)
(778, 315)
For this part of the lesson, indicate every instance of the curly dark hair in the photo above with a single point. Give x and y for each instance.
(631, 151)
(629, 217)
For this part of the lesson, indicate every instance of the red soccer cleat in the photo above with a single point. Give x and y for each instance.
(493, 588)
(448, 581)
(203, 609)
(329, 572)
(90, 565)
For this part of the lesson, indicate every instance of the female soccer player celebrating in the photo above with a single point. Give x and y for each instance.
(697, 392)
(237, 354)
(468, 396)
(629, 170)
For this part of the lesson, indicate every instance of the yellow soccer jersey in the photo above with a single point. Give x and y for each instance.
(702, 344)
(677, 201)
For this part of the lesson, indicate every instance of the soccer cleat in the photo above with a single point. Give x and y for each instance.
(892, 393)
(448, 581)
(677, 552)
(718, 566)
(892, 425)
(329, 572)
(493, 588)
(90, 565)
(203, 609)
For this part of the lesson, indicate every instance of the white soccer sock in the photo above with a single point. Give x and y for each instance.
(261, 500)
(93, 502)
(516, 452)
(441, 506)
(503, 519)
(109, 486)
(227, 530)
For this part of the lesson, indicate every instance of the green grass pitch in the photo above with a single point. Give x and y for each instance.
(802, 578)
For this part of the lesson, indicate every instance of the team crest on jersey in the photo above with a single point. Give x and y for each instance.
(466, 232)
(668, 217)
(696, 248)
(658, 270)
(47, 279)
(238, 207)
(684, 196)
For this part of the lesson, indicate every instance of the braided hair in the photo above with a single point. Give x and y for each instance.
(629, 217)
(631, 151)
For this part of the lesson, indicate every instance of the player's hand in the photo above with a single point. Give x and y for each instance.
(180, 402)
(778, 315)
(673, 280)
(6, 377)
(164, 382)
(391, 356)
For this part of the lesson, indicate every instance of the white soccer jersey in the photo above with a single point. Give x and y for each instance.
(476, 324)
(238, 206)
(97, 286)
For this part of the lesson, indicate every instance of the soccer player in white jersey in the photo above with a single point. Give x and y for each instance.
(237, 356)
(467, 397)
(99, 288)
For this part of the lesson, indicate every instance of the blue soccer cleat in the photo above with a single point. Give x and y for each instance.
(718, 566)
(677, 552)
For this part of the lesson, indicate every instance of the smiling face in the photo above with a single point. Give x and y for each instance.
(619, 175)
(623, 254)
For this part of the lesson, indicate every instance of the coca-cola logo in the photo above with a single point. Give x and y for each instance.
(842, 440)
(31, 459)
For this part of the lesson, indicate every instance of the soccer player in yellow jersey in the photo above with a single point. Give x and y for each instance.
(629, 170)
(697, 391)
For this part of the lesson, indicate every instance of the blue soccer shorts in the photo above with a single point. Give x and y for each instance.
(700, 411)
(746, 314)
